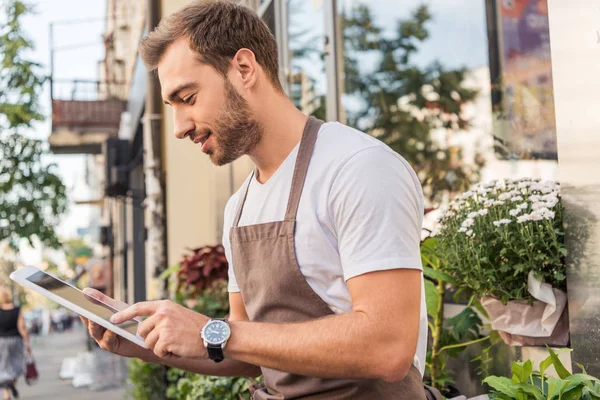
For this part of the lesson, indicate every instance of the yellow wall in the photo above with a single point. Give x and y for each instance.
(196, 191)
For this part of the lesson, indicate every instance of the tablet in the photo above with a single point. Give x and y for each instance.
(74, 299)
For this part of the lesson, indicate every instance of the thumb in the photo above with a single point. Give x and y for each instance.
(99, 296)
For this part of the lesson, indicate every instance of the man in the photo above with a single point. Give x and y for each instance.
(325, 279)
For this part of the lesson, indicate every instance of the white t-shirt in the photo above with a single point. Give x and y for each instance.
(361, 210)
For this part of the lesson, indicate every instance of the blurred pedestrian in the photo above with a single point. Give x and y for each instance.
(13, 340)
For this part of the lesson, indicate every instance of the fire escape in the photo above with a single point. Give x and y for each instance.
(85, 113)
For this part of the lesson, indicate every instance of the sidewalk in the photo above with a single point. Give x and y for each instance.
(49, 353)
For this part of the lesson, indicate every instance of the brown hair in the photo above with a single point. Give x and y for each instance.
(5, 295)
(216, 31)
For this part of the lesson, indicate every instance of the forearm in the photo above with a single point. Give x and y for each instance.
(228, 367)
(351, 345)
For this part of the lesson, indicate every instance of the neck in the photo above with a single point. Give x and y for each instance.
(283, 125)
(6, 306)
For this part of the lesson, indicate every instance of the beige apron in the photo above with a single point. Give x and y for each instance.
(274, 290)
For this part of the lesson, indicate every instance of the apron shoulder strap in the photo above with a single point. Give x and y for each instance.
(307, 145)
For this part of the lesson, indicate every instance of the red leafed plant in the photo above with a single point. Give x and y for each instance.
(201, 268)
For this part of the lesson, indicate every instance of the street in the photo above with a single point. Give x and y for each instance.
(49, 352)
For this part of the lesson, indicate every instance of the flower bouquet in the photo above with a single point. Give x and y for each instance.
(504, 240)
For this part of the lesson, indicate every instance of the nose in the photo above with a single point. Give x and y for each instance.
(183, 126)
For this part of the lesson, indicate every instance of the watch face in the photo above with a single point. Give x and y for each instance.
(216, 332)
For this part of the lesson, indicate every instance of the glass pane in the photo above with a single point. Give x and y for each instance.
(452, 86)
(307, 79)
(408, 72)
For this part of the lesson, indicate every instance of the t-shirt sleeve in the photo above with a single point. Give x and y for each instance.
(232, 285)
(376, 207)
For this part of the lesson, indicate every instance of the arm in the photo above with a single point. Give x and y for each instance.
(228, 367)
(110, 341)
(23, 331)
(376, 340)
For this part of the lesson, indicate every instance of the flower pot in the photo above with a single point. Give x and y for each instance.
(545, 322)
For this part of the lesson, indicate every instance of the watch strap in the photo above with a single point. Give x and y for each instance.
(215, 352)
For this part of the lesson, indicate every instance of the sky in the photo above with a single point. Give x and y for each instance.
(80, 63)
(458, 38)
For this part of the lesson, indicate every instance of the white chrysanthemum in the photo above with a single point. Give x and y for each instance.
(523, 206)
(504, 221)
(462, 229)
(483, 212)
(535, 198)
(468, 222)
(469, 232)
(472, 214)
(516, 198)
(524, 218)
(498, 203)
(504, 196)
(537, 205)
(515, 212)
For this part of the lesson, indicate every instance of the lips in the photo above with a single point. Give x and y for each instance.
(202, 139)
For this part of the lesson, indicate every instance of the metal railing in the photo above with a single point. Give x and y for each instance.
(87, 103)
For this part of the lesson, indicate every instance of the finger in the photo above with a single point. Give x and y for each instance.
(96, 331)
(143, 309)
(160, 349)
(147, 326)
(152, 339)
(110, 341)
(97, 295)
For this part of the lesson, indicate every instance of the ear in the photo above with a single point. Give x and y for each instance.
(245, 67)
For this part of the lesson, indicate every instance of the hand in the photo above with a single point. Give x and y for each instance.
(28, 347)
(108, 340)
(171, 331)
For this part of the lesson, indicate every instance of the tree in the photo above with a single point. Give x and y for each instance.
(402, 104)
(32, 196)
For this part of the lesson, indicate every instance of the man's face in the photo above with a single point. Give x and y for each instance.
(206, 107)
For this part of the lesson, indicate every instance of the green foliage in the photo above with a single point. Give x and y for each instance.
(527, 384)
(189, 386)
(147, 382)
(32, 196)
(494, 235)
(449, 337)
(199, 283)
(401, 103)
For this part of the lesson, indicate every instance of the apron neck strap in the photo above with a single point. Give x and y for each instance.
(307, 145)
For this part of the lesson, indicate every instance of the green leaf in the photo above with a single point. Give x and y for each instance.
(521, 371)
(502, 385)
(464, 325)
(581, 367)
(573, 394)
(578, 380)
(560, 368)
(169, 271)
(555, 387)
(545, 364)
(438, 275)
(432, 298)
(529, 389)
(563, 251)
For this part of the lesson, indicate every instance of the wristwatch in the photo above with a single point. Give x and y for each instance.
(215, 333)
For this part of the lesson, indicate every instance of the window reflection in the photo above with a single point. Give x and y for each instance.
(307, 79)
(397, 87)
(524, 102)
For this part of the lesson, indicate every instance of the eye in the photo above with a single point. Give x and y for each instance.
(189, 100)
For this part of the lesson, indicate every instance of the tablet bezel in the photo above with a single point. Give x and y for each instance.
(20, 276)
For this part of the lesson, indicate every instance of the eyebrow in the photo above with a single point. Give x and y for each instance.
(174, 95)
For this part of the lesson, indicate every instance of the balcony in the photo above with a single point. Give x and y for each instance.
(84, 115)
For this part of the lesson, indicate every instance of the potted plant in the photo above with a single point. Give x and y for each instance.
(527, 384)
(504, 240)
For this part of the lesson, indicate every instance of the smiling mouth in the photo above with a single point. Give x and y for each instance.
(201, 139)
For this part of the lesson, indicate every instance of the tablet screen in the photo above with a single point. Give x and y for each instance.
(79, 298)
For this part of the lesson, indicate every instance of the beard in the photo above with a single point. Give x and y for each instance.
(236, 132)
